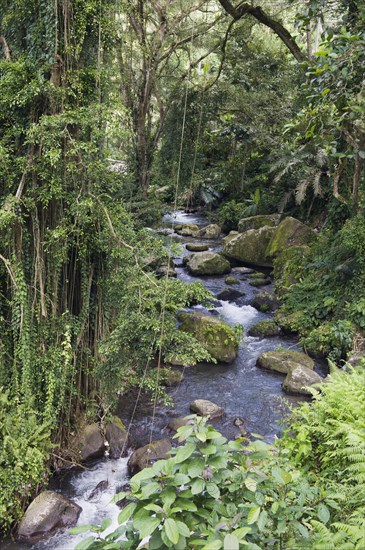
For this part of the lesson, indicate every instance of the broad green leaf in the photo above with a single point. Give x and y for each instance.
(105, 524)
(154, 508)
(262, 520)
(186, 505)
(251, 484)
(253, 514)
(196, 467)
(183, 529)
(181, 479)
(209, 450)
(197, 486)
(126, 513)
(323, 513)
(146, 526)
(242, 532)
(150, 489)
(171, 530)
(119, 496)
(231, 543)
(184, 452)
(213, 490)
(168, 497)
(214, 545)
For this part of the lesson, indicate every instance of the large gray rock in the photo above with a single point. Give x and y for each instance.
(229, 294)
(117, 437)
(147, 455)
(284, 361)
(203, 407)
(250, 247)
(216, 336)
(208, 263)
(211, 231)
(299, 379)
(197, 247)
(255, 222)
(48, 511)
(92, 443)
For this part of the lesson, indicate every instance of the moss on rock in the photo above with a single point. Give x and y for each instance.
(255, 222)
(250, 247)
(265, 329)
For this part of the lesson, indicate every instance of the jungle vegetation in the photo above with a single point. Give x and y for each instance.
(109, 111)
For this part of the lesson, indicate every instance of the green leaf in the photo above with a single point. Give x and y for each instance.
(168, 497)
(126, 513)
(105, 524)
(150, 489)
(241, 532)
(197, 486)
(183, 529)
(146, 525)
(213, 490)
(181, 479)
(81, 529)
(171, 530)
(186, 505)
(214, 545)
(146, 473)
(231, 543)
(253, 514)
(154, 508)
(184, 452)
(323, 513)
(262, 520)
(119, 496)
(196, 467)
(85, 544)
(251, 484)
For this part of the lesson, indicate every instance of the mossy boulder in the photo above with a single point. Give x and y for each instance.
(255, 222)
(197, 247)
(265, 329)
(216, 336)
(211, 231)
(48, 512)
(250, 247)
(231, 235)
(260, 281)
(147, 455)
(283, 361)
(231, 281)
(208, 263)
(290, 323)
(188, 230)
(172, 377)
(290, 232)
(117, 438)
(299, 379)
(265, 301)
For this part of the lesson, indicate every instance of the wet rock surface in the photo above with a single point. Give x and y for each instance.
(147, 455)
(203, 407)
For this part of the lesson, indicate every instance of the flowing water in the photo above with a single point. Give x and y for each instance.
(242, 389)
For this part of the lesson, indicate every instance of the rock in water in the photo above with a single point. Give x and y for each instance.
(290, 232)
(229, 294)
(117, 437)
(177, 423)
(265, 301)
(299, 378)
(231, 281)
(188, 230)
(145, 456)
(92, 443)
(48, 511)
(208, 263)
(250, 247)
(203, 407)
(284, 361)
(211, 231)
(265, 329)
(100, 487)
(197, 247)
(255, 222)
(216, 335)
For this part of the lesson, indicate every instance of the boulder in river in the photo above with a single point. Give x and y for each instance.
(255, 222)
(231, 235)
(208, 263)
(250, 247)
(211, 231)
(197, 247)
(265, 301)
(147, 455)
(229, 294)
(299, 378)
(259, 281)
(177, 423)
(48, 512)
(284, 361)
(117, 437)
(172, 377)
(203, 407)
(188, 230)
(92, 443)
(290, 232)
(217, 336)
(265, 329)
(231, 281)
(243, 270)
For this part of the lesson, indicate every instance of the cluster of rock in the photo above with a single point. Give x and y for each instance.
(297, 366)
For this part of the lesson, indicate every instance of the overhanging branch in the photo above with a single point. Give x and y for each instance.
(258, 13)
